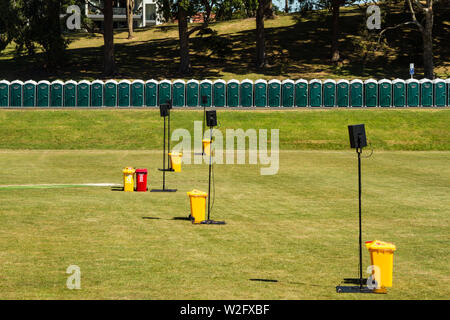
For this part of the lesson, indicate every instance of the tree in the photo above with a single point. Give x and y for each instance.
(130, 8)
(263, 6)
(336, 7)
(109, 65)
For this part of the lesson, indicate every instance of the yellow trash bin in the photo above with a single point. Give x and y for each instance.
(128, 179)
(206, 146)
(382, 257)
(198, 205)
(175, 160)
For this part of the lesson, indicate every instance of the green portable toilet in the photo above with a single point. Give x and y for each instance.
(301, 93)
(124, 93)
(16, 93)
(342, 93)
(233, 93)
(448, 91)
(205, 91)
(440, 93)
(110, 93)
(56, 93)
(70, 93)
(29, 93)
(315, 93)
(83, 93)
(287, 93)
(137, 93)
(412, 92)
(219, 90)
(426, 93)
(329, 93)
(385, 92)
(151, 93)
(192, 88)
(97, 88)
(164, 92)
(370, 93)
(178, 93)
(43, 93)
(399, 92)
(356, 93)
(4, 93)
(246, 93)
(274, 93)
(260, 93)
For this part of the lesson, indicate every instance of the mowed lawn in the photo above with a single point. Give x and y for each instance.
(299, 227)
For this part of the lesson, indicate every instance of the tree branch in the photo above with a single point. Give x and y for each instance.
(413, 14)
(395, 27)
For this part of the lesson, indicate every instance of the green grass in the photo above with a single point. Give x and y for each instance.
(408, 129)
(297, 45)
(303, 234)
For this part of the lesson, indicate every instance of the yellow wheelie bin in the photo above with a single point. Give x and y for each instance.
(198, 205)
(175, 160)
(206, 146)
(382, 258)
(128, 179)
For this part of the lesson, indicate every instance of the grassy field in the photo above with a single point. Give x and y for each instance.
(299, 227)
(304, 234)
(297, 45)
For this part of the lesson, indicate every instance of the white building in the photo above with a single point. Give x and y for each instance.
(145, 12)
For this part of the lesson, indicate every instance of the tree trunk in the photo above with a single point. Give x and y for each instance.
(108, 37)
(185, 64)
(286, 6)
(130, 7)
(260, 37)
(336, 4)
(427, 38)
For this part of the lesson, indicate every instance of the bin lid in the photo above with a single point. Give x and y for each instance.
(128, 170)
(206, 140)
(197, 193)
(380, 245)
(179, 154)
(141, 171)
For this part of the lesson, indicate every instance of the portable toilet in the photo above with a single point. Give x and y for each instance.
(151, 93)
(412, 92)
(260, 93)
(233, 93)
(205, 91)
(219, 97)
(342, 93)
(329, 93)
(29, 93)
(124, 93)
(356, 93)
(448, 91)
(178, 93)
(301, 93)
(274, 93)
(70, 94)
(315, 93)
(385, 92)
(192, 88)
(16, 93)
(97, 87)
(246, 93)
(287, 93)
(83, 93)
(43, 93)
(399, 92)
(56, 93)
(164, 92)
(4, 93)
(110, 98)
(370, 93)
(137, 93)
(440, 93)
(426, 93)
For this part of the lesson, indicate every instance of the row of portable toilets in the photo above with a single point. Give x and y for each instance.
(234, 93)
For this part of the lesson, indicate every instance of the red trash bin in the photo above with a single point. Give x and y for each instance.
(141, 180)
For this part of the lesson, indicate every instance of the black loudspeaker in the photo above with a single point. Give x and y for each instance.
(357, 134)
(169, 104)
(164, 110)
(211, 118)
